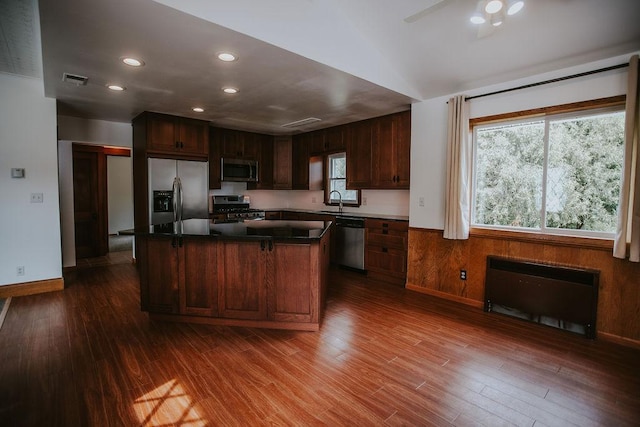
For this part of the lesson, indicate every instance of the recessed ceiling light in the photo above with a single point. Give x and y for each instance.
(229, 90)
(493, 6)
(514, 6)
(133, 61)
(116, 88)
(227, 57)
(198, 109)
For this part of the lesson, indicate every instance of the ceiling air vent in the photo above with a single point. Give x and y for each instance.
(75, 79)
(302, 122)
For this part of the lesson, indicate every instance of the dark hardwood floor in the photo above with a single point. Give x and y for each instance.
(87, 356)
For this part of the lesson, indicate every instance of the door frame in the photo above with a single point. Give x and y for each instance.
(103, 211)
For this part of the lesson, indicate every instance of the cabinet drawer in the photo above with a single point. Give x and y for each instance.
(392, 240)
(397, 226)
(386, 260)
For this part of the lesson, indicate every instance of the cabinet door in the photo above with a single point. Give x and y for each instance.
(282, 163)
(193, 137)
(241, 280)
(383, 154)
(359, 155)
(334, 139)
(161, 272)
(231, 145)
(402, 145)
(315, 141)
(250, 145)
(162, 133)
(300, 163)
(198, 277)
(265, 164)
(294, 289)
(215, 180)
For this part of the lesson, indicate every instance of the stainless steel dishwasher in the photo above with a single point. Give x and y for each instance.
(350, 242)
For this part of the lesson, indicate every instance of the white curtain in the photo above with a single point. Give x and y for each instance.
(629, 208)
(456, 224)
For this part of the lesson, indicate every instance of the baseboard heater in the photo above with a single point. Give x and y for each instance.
(558, 296)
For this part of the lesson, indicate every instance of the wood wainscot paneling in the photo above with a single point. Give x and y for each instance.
(434, 265)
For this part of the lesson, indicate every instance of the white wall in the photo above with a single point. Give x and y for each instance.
(120, 193)
(29, 232)
(86, 131)
(429, 126)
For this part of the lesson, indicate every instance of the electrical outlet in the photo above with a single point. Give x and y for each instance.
(421, 201)
(313, 200)
(37, 198)
(20, 270)
(364, 201)
(463, 274)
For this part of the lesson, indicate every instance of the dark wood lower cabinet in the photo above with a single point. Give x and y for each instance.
(386, 250)
(259, 283)
(241, 274)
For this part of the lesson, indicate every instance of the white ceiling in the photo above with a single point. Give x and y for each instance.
(338, 60)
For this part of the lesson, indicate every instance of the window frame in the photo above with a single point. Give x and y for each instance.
(546, 114)
(327, 198)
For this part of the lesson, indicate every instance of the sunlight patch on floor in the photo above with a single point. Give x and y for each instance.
(166, 405)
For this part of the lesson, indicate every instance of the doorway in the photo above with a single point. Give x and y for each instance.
(90, 200)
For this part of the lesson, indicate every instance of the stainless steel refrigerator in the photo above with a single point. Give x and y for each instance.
(178, 189)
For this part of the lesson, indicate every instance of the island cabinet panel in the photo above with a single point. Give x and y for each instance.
(159, 275)
(293, 291)
(241, 279)
(197, 265)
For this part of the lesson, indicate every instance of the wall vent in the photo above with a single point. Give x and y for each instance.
(75, 79)
(302, 122)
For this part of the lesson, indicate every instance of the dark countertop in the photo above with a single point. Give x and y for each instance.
(350, 213)
(282, 230)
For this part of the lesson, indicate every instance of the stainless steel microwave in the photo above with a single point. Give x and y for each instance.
(239, 170)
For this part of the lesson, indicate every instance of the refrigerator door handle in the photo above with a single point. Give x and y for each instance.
(177, 199)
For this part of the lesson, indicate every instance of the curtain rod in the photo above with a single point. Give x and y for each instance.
(559, 79)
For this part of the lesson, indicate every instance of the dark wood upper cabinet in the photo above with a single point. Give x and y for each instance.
(391, 146)
(238, 144)
(215, 175)
(335, 139)
(282, 163)
(300, 162)
(265, 163)
(359, 154)
(178, 137)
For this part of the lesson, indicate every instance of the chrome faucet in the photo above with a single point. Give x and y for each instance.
(340, 200)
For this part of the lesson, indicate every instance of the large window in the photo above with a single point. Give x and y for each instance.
(556, 174)
(337, 181)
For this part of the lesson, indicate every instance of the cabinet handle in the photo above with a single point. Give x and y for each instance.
(270, 245)
(181, 144)
(177, 144)
(180, 241)
(173, 242)
(385, 250)
(262, 245)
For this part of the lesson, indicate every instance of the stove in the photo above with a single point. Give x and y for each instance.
(234, 208)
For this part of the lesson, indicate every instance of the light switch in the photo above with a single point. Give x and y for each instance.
(17, 172)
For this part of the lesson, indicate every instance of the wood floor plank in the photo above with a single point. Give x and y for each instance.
(383, 356)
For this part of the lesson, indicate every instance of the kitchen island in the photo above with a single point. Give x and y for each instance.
(268, 274)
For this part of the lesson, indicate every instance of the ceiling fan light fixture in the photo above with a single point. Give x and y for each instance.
(514, 6)
(493, 6)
